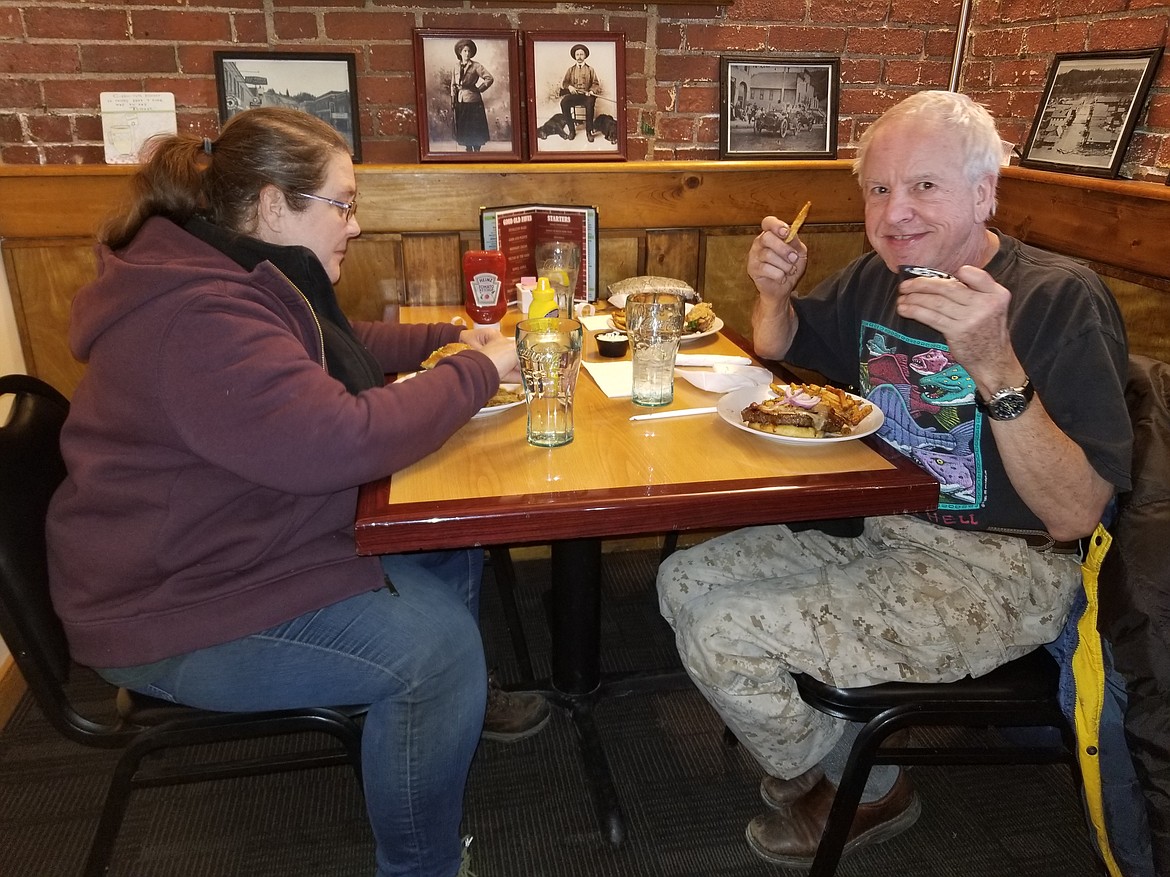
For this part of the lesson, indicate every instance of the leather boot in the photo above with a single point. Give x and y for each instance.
(790, 836)
(512, 715)
(778, 793)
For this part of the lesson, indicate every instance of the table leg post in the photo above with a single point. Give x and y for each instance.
(575, 619)
(576, 615)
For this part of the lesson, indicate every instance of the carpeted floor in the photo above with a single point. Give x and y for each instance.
(685, 794)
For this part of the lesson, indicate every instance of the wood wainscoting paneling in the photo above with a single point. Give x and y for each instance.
(691, 220)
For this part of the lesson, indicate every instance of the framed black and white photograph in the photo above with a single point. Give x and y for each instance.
(467, 85)
(321, 83)
(1088, 111)
(776, 107)
(576, 96)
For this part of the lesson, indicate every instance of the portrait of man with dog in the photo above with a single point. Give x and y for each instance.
(587, 97)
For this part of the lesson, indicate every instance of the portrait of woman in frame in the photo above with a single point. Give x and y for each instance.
(468, 95)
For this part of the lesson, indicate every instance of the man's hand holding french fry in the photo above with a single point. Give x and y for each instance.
(775, 266)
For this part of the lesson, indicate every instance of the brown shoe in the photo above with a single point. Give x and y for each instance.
(790, 836)
(778, 793)
(512, 715)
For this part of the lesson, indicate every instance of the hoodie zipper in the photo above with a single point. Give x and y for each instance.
(313, 313)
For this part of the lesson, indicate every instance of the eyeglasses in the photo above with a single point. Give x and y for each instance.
(347, 208)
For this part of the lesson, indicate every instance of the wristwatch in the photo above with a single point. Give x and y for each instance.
(1007, 403)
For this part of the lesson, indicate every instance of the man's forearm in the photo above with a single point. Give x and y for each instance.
(774, 325)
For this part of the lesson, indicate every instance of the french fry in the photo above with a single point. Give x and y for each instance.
(798, 222)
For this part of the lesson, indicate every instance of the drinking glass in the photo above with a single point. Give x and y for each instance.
(550, 357)
(560, 262)
(654, 322)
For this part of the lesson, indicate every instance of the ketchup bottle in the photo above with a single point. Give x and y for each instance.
(483, 287)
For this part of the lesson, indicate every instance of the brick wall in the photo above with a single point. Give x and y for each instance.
(56, 56)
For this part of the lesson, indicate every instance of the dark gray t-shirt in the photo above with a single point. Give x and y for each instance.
(1066, 330)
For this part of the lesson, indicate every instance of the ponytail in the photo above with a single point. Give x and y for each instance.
(169, 184)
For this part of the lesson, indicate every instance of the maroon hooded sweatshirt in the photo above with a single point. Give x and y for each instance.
(213, 462)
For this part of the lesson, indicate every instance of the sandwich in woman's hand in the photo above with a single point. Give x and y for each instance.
(446, 350)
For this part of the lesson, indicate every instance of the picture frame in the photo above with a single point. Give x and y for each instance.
(1088, 110)
(576, 122)
(778, 107)
(468, 108)
(321, 83)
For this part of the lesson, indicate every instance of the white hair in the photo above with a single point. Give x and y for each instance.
(980, 147)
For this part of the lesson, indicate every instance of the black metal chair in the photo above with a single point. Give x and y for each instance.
(31, 468)
(1021, 693)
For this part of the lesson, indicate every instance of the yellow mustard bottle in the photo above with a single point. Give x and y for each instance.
(544, 302)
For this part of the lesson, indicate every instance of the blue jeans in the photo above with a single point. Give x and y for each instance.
(416, 658)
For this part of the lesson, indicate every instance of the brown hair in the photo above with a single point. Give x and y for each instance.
(186, 175)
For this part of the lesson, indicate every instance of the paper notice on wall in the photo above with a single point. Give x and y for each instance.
(130, 118)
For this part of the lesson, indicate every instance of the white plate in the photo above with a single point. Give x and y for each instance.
(734, 402)
(695, 336)
(491, 410)
(683, 339)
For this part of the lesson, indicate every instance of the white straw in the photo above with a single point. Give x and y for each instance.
(678, 412)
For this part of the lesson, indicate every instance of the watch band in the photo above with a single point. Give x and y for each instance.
(1006, 403)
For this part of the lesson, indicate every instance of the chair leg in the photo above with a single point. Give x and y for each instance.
(848, 797)
(505, 574)
(669, 545)
(113, 811)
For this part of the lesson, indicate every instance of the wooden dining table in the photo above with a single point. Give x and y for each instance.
(618, 478)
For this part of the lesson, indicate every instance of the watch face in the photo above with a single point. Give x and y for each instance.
(1008, 406)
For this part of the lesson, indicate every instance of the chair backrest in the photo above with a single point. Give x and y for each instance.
(31, 469)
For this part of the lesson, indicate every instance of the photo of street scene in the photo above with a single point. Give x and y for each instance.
(321, 85)
(775, 109)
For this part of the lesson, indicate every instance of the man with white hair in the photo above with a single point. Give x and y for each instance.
(1003, 378)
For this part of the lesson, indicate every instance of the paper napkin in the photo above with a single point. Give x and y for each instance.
(597, 323)
(700, 360)
(725, 378)
(616, 379)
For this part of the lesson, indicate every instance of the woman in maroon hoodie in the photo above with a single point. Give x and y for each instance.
(201, 548)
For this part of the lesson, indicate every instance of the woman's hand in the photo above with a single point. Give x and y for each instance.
(480, 336)
(499, 349)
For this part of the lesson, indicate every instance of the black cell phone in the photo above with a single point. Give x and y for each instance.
(909, 272)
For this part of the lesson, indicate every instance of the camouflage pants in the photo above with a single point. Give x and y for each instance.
(907, 600)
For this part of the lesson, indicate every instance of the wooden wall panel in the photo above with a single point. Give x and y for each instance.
(1147, 316)
(433, 268)
(696, 194)
(43, 281)
(674, 252)
(1117, 222)
(372, 277)
(619, 255)
(725, 281)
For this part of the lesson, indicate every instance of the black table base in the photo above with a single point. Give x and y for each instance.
(577, 684)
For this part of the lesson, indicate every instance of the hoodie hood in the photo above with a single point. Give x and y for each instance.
(162, 260)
